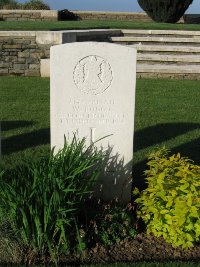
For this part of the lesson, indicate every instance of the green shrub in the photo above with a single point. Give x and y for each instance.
(65, 14)
(165, 10)
(107, 224)
(36, 5)
(42, 198)
(170, 206)
(9, 4)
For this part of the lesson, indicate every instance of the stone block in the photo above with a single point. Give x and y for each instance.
(3, 71)
(24, 54)
(26, 15)
(11, 19)
(23, 19)
(34, 66)
(34, 54)
(11, 59)
(45, 67)
(33, 73)
(31, 60)
(16, 71)
(3, 53)
(24, 42)
(36, 15)
(11, 53)
(12, 46)
(4, 65)
(21, 60)
(19, 66)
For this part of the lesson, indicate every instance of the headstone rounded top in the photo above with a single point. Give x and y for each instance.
(93, 75)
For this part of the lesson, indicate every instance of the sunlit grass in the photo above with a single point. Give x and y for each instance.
(92, 24)
(167, 114)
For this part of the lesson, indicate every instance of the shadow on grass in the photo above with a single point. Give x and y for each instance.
(161, 132)
(190, 150)
(10, 125)
(81, 28)
(157, 134)
(26, 140)
(144, 138)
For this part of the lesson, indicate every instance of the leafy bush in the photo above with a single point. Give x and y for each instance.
(36, 5)
(65, 14)
(165, 10)
(106, 224)
(9, 4)
(42, 197)
(170, 206)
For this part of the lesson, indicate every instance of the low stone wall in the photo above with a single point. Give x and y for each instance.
(52, 15)
(31, 15)
(20, 54)
(22, 51)
(128, 16)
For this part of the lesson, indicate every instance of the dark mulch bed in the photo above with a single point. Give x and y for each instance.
(142, 248)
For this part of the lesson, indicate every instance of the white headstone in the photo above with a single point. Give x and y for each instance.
(93, 94)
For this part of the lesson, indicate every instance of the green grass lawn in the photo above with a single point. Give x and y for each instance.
(136, 264)
(139, 264)
(151, 264)
(92, 24)
(167, 114)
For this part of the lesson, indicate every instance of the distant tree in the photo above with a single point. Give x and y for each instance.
(9, 4)
(36, 5)
(169, 11)
(4, 2)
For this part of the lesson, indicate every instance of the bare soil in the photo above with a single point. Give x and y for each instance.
(141, 248)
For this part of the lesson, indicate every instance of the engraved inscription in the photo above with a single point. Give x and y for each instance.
(91, 118)
(93, 75)
(94, 112)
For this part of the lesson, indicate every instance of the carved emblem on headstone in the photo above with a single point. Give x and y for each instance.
(93, 75)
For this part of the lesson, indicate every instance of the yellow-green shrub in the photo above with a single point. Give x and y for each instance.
(170, 206)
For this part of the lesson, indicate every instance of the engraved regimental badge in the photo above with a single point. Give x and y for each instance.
(93, 75)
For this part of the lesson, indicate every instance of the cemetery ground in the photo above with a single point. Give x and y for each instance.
(93, 24)
(167, 114)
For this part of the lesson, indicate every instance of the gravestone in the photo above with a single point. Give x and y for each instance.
(93, 95)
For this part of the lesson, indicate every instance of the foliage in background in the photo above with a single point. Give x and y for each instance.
(42, 197)
(106, 223)
(169, 11)
(65, 14)
(170, 206)
(31, 5)
(36, 5)
(9, 4)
